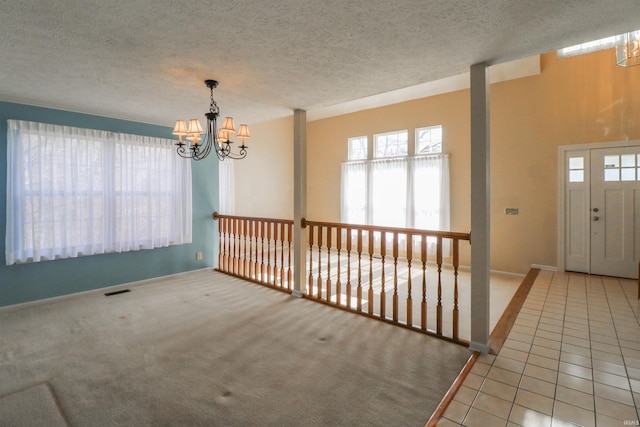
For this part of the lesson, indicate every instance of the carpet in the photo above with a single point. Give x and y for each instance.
(205, 349)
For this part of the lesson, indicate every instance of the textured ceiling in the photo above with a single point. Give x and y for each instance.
(146, 60)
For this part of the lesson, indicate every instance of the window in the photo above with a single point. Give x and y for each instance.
(358, 148)
(397, 190)
(391, 144)
(625, 167)
(576, 169)
(429, 140)
(75, 191)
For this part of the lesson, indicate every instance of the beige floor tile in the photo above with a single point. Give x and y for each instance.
(575, 359)
(534, 401)
(555, 345)
(456, 411)
(576, 349)
(493, 405)
(631, 353)
(526, 417)
(575, 397)
(473, 381)
(607, 357)
(568, 339)
(576, 370)
(557, 328)
(478, 418)
(606, 347)
(498, 389)
(480, 368)
(576, 383)
(487, 359)
(538, 386)
(465, 395)
(523, 329)
(612, 380)
(521, 337)
(611, 368)
(554, 336)
(574, 414)
(615, 410)
(614, 393)
(605, 421)
(629, 344)
(606, 339)
(576, 333)
(630, 362)
(541, 373)
(510, 353)
(509, 364)
(546, 352)
(504, 376)
(443, 422)
(545, 362)
(517, 345)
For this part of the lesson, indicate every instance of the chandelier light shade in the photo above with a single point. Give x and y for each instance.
(191, 145)
(628, 49)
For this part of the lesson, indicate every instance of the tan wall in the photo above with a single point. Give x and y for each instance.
(264, 179)
(575, 100)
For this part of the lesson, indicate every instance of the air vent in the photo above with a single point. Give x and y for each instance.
(122, 291)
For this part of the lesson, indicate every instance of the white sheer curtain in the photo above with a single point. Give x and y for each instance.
(227, 193)
(73, 191)
(353, 192)
(410, 192)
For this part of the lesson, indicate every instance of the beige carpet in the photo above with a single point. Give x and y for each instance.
(209, 350)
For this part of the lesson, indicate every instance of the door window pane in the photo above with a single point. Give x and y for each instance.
(576, 169)
(612, 174)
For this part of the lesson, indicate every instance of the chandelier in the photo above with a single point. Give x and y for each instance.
(197, 148)
(628, 49)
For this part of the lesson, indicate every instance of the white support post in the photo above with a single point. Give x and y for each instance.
(480, 209)
(300, 240)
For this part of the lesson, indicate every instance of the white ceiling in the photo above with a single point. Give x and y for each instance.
(146, 60)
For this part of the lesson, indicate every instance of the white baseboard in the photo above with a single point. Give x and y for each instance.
(545, 267)
(97, 290)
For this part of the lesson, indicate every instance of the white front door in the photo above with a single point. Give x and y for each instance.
(602, 211)
(615, 211)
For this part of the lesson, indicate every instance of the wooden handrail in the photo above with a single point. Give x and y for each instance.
(218, 216)
(412, 231)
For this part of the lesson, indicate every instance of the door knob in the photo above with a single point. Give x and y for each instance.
(595, 209)
(595, 218)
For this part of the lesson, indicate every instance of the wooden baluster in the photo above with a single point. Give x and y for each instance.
(320, 262)
(256, 272)
(409, 300)
(282, 254)
(228, 251)
(220, 243)
(328, 293)
(359, 289)
(274, 277)
(395, 277)
(339, 248)
(289, 273)
(253, 240)
(263, 266)
(439, 306)
(236, 261)
(383, 253)
(244, 249)
(232, 238)
(455, 288)
(225, 244)
(348, 268)
(269, 224)
(423, 258)
(310, 260)
(370, 293)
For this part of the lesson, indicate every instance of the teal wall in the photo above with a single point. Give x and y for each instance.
(28, 282)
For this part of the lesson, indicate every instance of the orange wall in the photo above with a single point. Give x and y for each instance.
(576, 100)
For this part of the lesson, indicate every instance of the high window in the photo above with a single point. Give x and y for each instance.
(73, 191)
(393, 188)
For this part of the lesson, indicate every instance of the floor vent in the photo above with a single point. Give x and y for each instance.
(122, 291)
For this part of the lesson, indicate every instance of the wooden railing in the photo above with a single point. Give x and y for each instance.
(256, 249)
(372, 271)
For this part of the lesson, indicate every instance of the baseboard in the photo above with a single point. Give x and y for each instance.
(545, 267)
(97, 290)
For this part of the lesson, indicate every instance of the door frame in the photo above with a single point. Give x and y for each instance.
(562, 152)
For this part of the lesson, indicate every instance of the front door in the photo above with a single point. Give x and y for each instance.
(602, 211)
(615, 211)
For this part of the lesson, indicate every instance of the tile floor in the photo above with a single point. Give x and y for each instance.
(571, 358)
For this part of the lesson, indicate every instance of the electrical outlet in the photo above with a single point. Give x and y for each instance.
(198, 256)
(511, 211)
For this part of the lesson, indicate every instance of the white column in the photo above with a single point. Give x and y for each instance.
(300, 239)
(480, 205)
